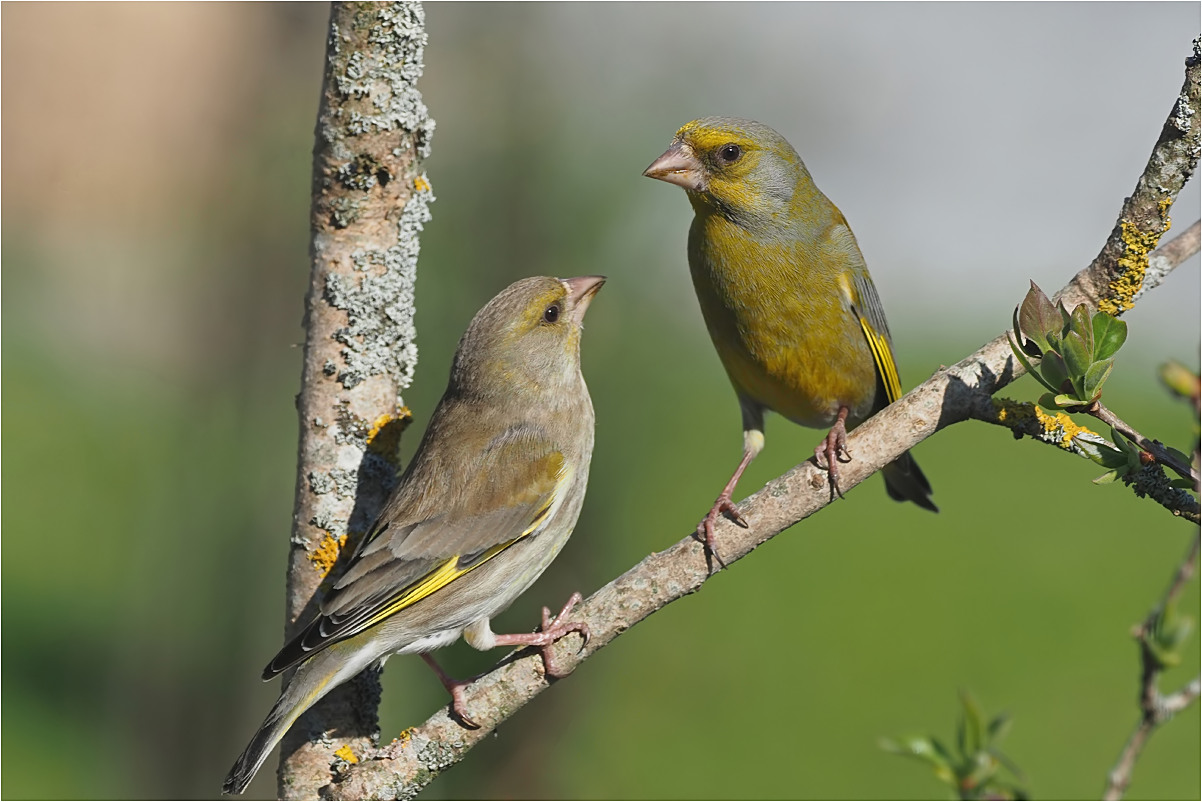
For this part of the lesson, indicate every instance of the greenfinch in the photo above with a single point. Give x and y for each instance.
(786, 297)
(490, 497)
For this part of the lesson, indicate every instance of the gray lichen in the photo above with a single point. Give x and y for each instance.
(389, 83)
(382, 343)
(339, 481)
(379, 337)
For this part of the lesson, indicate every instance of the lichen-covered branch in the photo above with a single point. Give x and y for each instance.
(1155, 708)
(953, 394)
(1155, 448)
(1117, 275)
(1058, 429)
(370, 200)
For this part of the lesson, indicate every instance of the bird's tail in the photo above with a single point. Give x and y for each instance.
(904, 481)
(309, 684)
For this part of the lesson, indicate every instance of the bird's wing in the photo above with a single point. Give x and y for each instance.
(508, 495)
(865, 304)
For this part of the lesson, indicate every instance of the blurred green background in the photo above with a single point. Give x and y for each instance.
(155, 216)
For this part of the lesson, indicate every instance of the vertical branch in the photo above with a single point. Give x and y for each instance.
(1155, 708)
(369, 202)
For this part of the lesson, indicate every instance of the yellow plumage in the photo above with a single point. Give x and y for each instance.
(785, 294)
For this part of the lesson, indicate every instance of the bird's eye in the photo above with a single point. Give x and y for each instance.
(551, 313)
(729, 153)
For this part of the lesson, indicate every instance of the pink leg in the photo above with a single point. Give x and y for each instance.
(455, 688)
(834, 450)
(552, 630)
(724, 504)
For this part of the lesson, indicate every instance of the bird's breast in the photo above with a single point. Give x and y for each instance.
(781, 325)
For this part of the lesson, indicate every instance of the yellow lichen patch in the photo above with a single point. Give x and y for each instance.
(1059, 428)
(384, 437)
(346, 754)
(421, 184)
(1012, 413)
(326, 554)
(1132, 265)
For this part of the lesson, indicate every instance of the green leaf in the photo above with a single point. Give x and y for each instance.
(970, 733)
(1048, 401)
(1110, 477)
(1064, 401)
(1113, 458)
(941, 750)
(1166, 657)
(1037, 317)
(1180, 456)
(1095, 377)
(1077, 360)
(998, 728)
(1182, 484)
(1010, 765)
(1082, 326)
(1109, 334)
(984, 766)
(1169, 633)
(918, 747)
(1018, 354)
(1054, 372)
(1029, 346)
(1129, 448)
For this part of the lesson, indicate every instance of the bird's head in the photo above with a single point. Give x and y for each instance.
(742, 169)
(526, 339)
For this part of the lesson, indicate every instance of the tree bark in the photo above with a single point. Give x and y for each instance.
(370, 201)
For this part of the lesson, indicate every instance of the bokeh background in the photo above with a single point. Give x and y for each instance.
(155, 215)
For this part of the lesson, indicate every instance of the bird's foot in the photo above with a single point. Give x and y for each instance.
(723, 505)
(455, 688)
(833, 449)
(553, 628)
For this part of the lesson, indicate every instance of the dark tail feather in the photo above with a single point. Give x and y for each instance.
(904, 481)
(256, 752)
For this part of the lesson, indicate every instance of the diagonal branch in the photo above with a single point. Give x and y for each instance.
(952, 395)
(1057, 429)
(1155, 448)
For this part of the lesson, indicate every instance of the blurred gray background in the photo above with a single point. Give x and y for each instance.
(156, 166)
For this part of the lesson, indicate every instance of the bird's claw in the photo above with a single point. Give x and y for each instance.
(455, 688)
(834, 450)
(459, 708)
(705, 530)
(552, 629)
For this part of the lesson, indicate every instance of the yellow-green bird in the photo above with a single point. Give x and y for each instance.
(488, 501)
(786, 297)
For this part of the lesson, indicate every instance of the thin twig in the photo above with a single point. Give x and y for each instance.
(1058, 429)
(1155, 708)
(1153, 447)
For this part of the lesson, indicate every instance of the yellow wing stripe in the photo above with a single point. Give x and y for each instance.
(449, 571)
(883, 356)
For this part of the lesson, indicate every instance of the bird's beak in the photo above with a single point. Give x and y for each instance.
(680, 166)
(580, 292)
